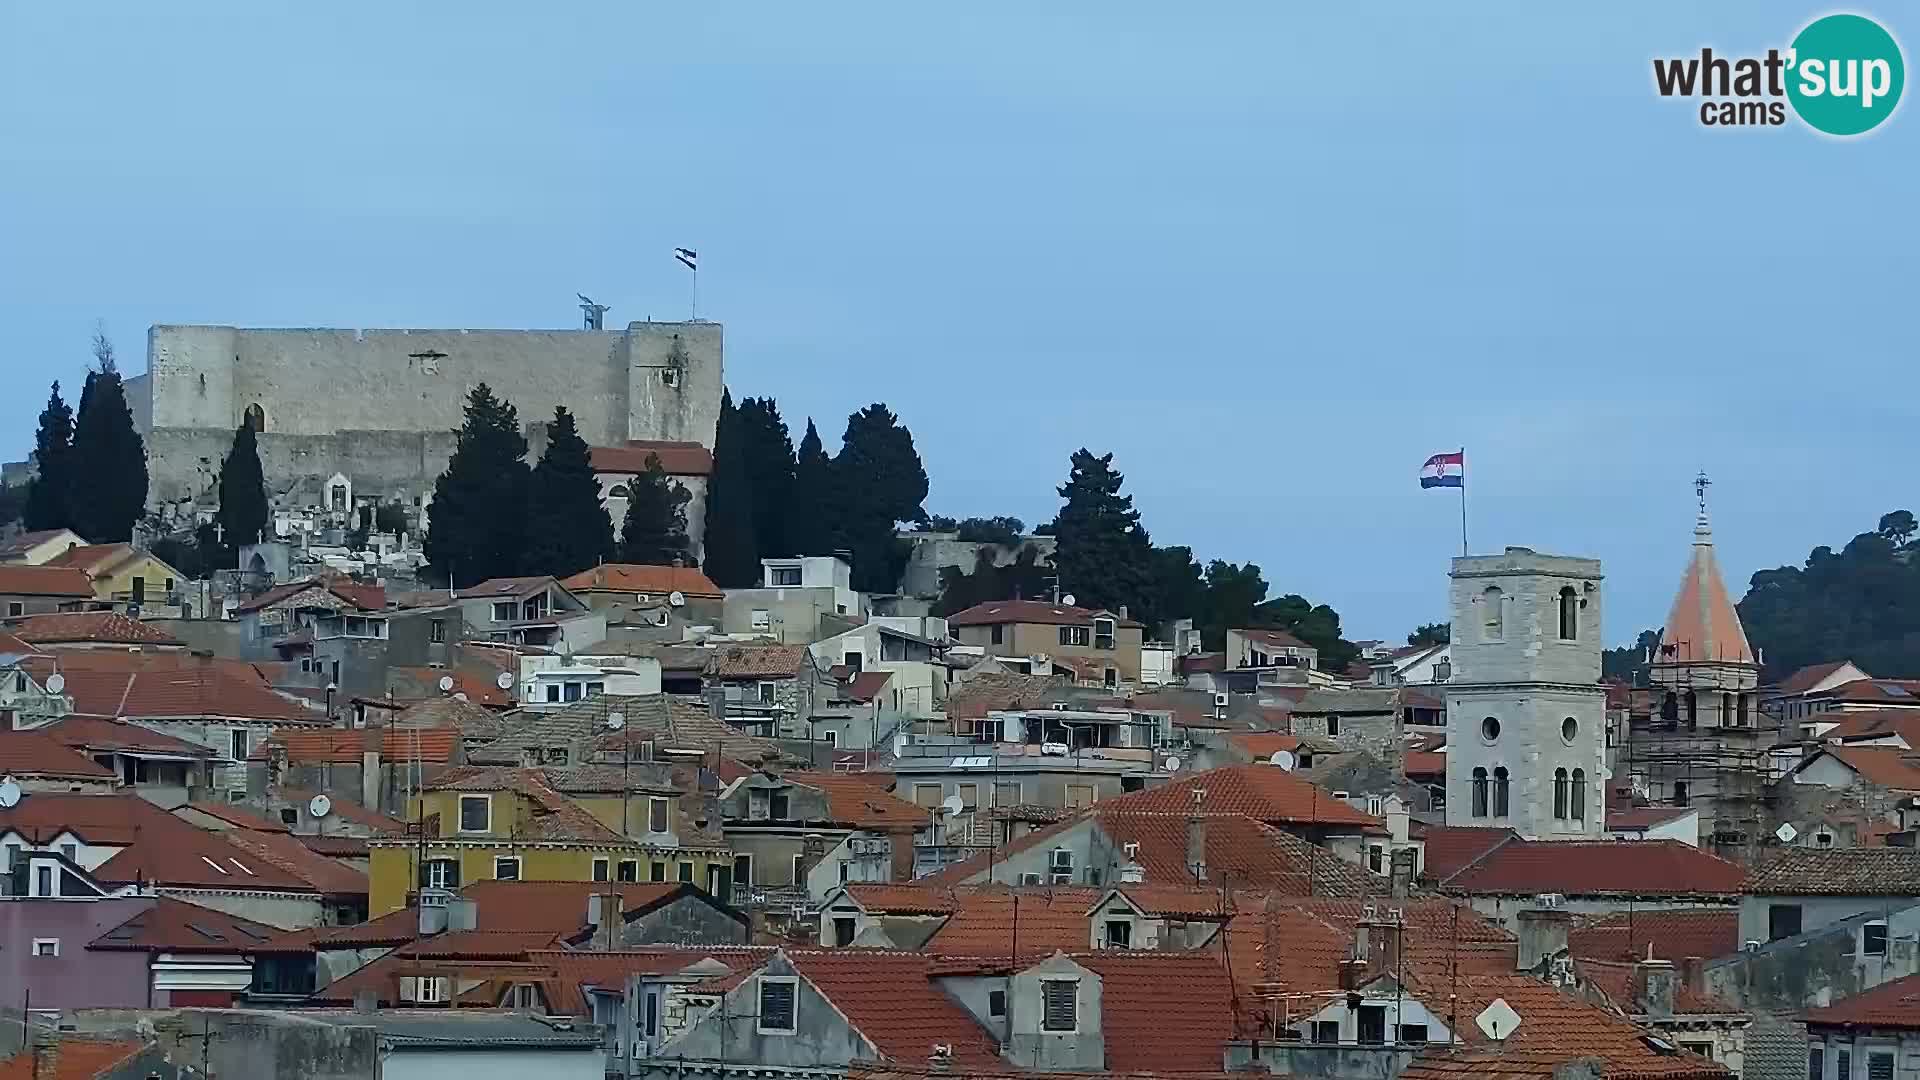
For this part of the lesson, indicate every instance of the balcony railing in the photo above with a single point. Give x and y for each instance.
(771, 896)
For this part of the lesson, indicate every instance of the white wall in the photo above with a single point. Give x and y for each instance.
(494, 1064)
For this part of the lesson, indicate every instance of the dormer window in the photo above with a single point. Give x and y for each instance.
(1060, 1006)
(777, 1005)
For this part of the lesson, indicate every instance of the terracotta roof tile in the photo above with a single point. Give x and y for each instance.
(362, 597)
(1262, 792)
(1863, 871)
(890, 998)
(988, 692)
(1810, 676)
(656, 581)
(101, 627)
(1049, 918)
(64, 582)
(577, 970)
(97, 734)
(24, 542)
(335, 746)
(1675, 934)
(166, 685)
(916, 899)
(1425, 763)
(867, 685)
(233, 814)
(1703, 625)
(347, 810)
(758, 661)
(176, 926)
(37, 753)
(1883, 766)
(862, 801)
(81, 1058)
(1902, 692)
(326, 876)
(1241, 853)
(1640, 867)
(1032, 611)
(1278, 639)
(676, 458)
(1622, 982)
(155, 846)
(1890, 1005)
(1163, 1012)
(1864, 724)
(503, 587)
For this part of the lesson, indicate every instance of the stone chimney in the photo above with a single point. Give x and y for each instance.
(1400, 873)
(1653, 985)
(1197, 847)
(1354, 969)
(1132, 873)
(370, 740)
(1543, 936)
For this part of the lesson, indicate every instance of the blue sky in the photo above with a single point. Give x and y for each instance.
(1271, 256)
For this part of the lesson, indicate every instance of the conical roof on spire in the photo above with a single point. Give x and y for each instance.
(1703, 626)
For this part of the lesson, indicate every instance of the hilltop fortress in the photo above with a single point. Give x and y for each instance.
(350, 417)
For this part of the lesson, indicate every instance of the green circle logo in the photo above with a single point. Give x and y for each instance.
(1846, 75)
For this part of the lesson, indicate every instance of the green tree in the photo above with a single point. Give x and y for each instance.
(1861, 603)
(1897, 526)
(810, 506)
(1025, 578)
(1104, 555)
(943, 523)
(476, 527)
(1433, 633)
(391, 518)
(1178, 584)
(49, 496)
(568, 529)
(1629, 662)
(655, 530)
(109, 462)
(1234, 595)
(879, 481)
(1316, 624)
(770, 464)
(243, 509)
(733, 557)
(991, 530)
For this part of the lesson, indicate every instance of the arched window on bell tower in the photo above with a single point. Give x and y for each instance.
(255, 417)
(1579, 794)
(1493, 614)
(1479, 793)
(1501, 806)
(1559, 793)
(1569, 614)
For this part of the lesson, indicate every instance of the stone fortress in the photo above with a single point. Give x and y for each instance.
(360, 417)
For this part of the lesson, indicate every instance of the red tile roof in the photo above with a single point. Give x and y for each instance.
(1883, 766)
(176, 926)
(1862, 871)
(890, 998)
(862, 802)
(758, 661)
(1890, 1005)
(555, 817)
(347, 810)
(1675, 934)
(334, 746)
(983, 921)
(1163, 1012)
(1500, 1063)
(576, 970)
(155, 846)
(1905, 692)
(1032, 611)
(656, 581)
(36, 753)
(99, 627)
(166, 685)
(1623, 984)
(362, 597)
(26, 541)
(676, 458)
(1810, 676)
(555, 909)
(1262, 792)
(97, 734)
(232, 814)
(1241, 853)
(1262, 745)
(1278, 639)
(867, 685)
(81, 1058)
(1425, 763)
(504, 587)
(1865, 724)
(329, 877)
(59, 581)
(915, 899)
(1639, 867)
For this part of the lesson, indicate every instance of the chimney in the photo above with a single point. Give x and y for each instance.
(1400, 873)
(370, 739)
(1543, 936)
(46, 1054)
(1653, 984)
(1197, 847)
(1123, 612)
(593, 908)
(1132, 873)
(1353, 970)
(941, 1059)
(463, 914)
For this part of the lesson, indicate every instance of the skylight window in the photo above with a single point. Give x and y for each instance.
(213, 864)
(210, 935)
(242, 866)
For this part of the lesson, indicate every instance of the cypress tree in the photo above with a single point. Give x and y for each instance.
(810, 510)
(49, 504)
(243, 495)
(769, 450)
(1105, 557)
(655, 531)
(733, 560)
(476, 527)
(567, 525)
(878, 482)
(109, 462)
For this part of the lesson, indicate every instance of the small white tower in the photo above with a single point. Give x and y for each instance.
(1526, 715)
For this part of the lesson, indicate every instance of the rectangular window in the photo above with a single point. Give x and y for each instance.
(1873, 939)
(1705, 1050)
(926, 796)
(686, 871)
(657, 871)
(1413, 1034)
(553, 693)
(43, 881)
(1119, 934)
(506, 868)
(1326, 1031)
(1103, 633)
(476, 813)
(785, 577)
(653, 1014)
(799, 875)
(656, 815)
(1075, 635)
(1879, 1066)
(72, 852)
(504, 612)
(1060, 1005)
(999, 634)
(1783, 921)
(242, 742)
(996, 1003)
(596, 688)
(1333, 725)
(1079, 796)
(19, 607)
(440, 874)
(437, 631)
(629, 870)
(777, 1003)
(843, 931)
(602, 868)
(1816, 1063)
(779, 806)
(571, 692)
(743, 869)
(969, 795)
(766, 693)
(46, 946)
(1373, 1024)
(1842, 1064)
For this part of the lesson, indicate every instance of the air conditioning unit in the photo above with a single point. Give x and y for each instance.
(1029, 879)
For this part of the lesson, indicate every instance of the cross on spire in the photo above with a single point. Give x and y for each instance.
(1700, 486)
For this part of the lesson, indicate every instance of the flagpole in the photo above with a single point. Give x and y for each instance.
(694, 306)
(1463, 502)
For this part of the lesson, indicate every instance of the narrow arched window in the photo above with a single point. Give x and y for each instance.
(1569, 614)
(1670, 708)
(1493, 616)
(1579, 794)
(1693, 709)
(1479, 793)
(1559, 793)
(1726, 710)
(255, 417)
(1500, 803)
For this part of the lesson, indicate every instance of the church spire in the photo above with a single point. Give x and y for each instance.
(1703, 626)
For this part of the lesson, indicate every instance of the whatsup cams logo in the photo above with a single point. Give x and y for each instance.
(1842, 75)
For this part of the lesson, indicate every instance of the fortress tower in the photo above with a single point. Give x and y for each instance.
(1526, 716)
(378, 408)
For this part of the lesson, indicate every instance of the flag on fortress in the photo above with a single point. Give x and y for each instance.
(688, 257)
(1445, 470)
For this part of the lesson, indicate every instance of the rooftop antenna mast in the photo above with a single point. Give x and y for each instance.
(593, 316)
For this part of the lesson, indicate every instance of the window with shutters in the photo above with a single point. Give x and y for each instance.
(777, 994)
(1816, 1063)
(1880, 1066)
(1842, 1064)
(1060, 1005)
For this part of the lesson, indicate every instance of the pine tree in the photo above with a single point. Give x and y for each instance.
(109, 462)
(878, 482)
(733, 560)
(810, 510)
(476, 528)
(243, 493)
(1105, 557)
(567, 525)
(49, 504)
(655, 531)
(769, 450)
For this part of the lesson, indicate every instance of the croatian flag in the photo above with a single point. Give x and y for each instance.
(1445, 470)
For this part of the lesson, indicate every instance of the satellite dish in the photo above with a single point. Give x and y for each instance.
(9, 794)
(952, 804)
(1498, 1020)
(56, 682)
(446, 683)
(1786, 832)
(503, 680)
(677, 598)
(319, 806)
(616, 720)
(1282, 760)
(1172, 764)
(1067, 599)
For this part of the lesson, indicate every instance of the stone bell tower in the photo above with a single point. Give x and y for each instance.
(1526, 715)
